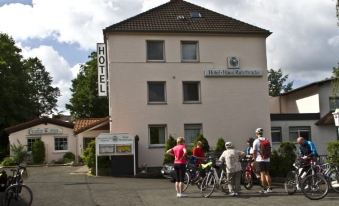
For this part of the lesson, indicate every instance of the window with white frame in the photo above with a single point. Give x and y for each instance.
(30, 142)
(157, 135)
(191, 91)
(189, 51)
(276, 134)
(60, 143)
(299, 131)
(156, 92)
(155, 50)
(191, 132)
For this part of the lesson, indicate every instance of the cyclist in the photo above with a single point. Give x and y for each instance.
(262, 160)
(308, 153)
(231, 158)
(179, 152)
(198, 153)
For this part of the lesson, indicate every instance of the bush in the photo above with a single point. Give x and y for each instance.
(220, 147)
(205, 145)
(89, 155)
(68, 157)
(333, 152)
(283, 159)
(171, 142)
(19, 152)
(38, 152)
(8, 161)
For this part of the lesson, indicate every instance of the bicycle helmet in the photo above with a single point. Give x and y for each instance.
(228, 145)
(259, 131)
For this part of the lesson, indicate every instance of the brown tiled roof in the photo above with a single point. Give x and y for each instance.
(326, 120)
(82, 125)
(175, 17)
(34, 122)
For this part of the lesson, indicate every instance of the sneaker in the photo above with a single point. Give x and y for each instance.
(232, 194)
(262, 191)
(236, 194)
(269, 190)
(178, 195)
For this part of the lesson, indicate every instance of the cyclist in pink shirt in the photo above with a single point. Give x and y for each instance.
(179, 152)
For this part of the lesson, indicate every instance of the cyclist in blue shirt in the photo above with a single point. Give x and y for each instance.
(307, 149)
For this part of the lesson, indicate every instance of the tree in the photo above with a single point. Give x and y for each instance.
(25, 88)
(85, 101)
(276, 81)
(43, 95)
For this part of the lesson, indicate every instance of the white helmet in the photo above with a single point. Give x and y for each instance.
(259, 131)
(228, 145)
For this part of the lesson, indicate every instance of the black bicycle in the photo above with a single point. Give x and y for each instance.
(17, 193)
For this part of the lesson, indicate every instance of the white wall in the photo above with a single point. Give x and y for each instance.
(231, 107)
(48, 140)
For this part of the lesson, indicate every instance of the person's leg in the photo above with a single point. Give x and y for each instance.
(237, 182)
(177, 180)
(230, 184)
(182, 179)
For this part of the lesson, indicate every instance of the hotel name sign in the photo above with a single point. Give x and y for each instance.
(45, 131)
(232, 73)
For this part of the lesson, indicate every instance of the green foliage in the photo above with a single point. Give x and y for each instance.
(19, 152)
(38, 152)
(283, 159)
(333, 152)
(85, 101)
(8, 161)
(335, 72)
(89, 155)
(276, 81)
(205, 145)
(220, 147)
(25, 88)
(68, 157)
(171, 142)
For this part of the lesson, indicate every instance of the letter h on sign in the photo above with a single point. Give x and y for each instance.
(102, 71)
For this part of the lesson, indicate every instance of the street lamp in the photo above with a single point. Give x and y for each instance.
(336, 120)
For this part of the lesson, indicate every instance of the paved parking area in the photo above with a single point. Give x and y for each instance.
(56, 186)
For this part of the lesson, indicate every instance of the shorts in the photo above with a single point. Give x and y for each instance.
(180, 170)
(263, 166)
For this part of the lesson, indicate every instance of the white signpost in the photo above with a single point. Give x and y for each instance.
(107, 144)
(102, 69)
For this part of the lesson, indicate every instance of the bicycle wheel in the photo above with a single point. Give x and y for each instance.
(208, 185)
(247, 180)
(333, 180)
(187, 181)
(314, 187)
(18, 195)
(291, 182)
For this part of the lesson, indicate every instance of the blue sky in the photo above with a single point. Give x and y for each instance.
(62, 33)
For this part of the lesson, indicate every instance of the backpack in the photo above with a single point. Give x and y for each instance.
(265, 148)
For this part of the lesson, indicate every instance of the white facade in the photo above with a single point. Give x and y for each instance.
(229, 107)
(57, 139)
(301, 107)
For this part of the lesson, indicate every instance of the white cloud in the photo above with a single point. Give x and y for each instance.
(58, 68)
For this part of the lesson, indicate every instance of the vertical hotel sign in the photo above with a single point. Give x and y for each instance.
(102, 70)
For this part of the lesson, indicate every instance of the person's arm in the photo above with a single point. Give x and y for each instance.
(255, 150)
(170, 152)
(313, 149)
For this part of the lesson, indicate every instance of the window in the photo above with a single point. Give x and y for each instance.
(157, 134)
(60, 143)
(334, 103)
(276, 134)
(191, 132)
(191, 92)
(296, 132)
(189, 51)
(155, 50)
(30, 141)
(156, 92)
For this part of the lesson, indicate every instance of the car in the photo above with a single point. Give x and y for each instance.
(168, 172)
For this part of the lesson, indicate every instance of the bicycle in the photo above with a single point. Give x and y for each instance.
(331, 173)
(248, 175)
(212, 180)
(194, 174)
(17, 193)
(314, 186)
